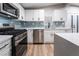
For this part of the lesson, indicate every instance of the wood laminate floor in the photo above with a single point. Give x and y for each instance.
(40, 50)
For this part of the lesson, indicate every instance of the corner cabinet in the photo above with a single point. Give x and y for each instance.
(21, 11)
(34, 15)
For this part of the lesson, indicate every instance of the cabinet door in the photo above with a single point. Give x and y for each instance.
(59, 14)
(29, 15)
(48, 36)
(36, 13)
(22, 13)
(41, 15)
(30, 36)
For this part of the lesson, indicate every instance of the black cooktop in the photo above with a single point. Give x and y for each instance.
(11, 31)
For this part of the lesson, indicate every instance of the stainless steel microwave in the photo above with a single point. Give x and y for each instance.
(9, 9)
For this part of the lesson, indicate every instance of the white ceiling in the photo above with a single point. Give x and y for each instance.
(40, 5)
(36, 5)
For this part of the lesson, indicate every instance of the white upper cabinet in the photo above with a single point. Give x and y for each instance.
(34, 15)
(59, 14)
(29, 15)
(41, 15)
(21, 11)
(72, 9)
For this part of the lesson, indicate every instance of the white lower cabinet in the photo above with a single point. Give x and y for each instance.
(5, 48)
(48, 36)
(30, 36)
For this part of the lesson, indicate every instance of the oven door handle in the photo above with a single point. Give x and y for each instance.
(3, 46)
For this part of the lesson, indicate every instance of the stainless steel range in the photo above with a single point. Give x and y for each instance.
(19, 40)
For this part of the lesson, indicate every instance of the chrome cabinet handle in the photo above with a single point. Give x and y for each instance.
(3, 46)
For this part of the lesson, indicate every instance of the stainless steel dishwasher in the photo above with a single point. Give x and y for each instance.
(38, 36)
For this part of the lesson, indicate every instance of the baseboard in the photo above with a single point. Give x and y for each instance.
(48, 43)
(42, 43)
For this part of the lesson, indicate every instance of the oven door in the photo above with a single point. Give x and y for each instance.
(21, 48)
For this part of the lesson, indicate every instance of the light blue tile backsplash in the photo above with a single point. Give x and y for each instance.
(32, 24)
(4, 20)
(9, 21)
(20, 24)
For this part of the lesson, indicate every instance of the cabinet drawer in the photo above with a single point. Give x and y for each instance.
(5, 48)
(7, 52)
(4, 43)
